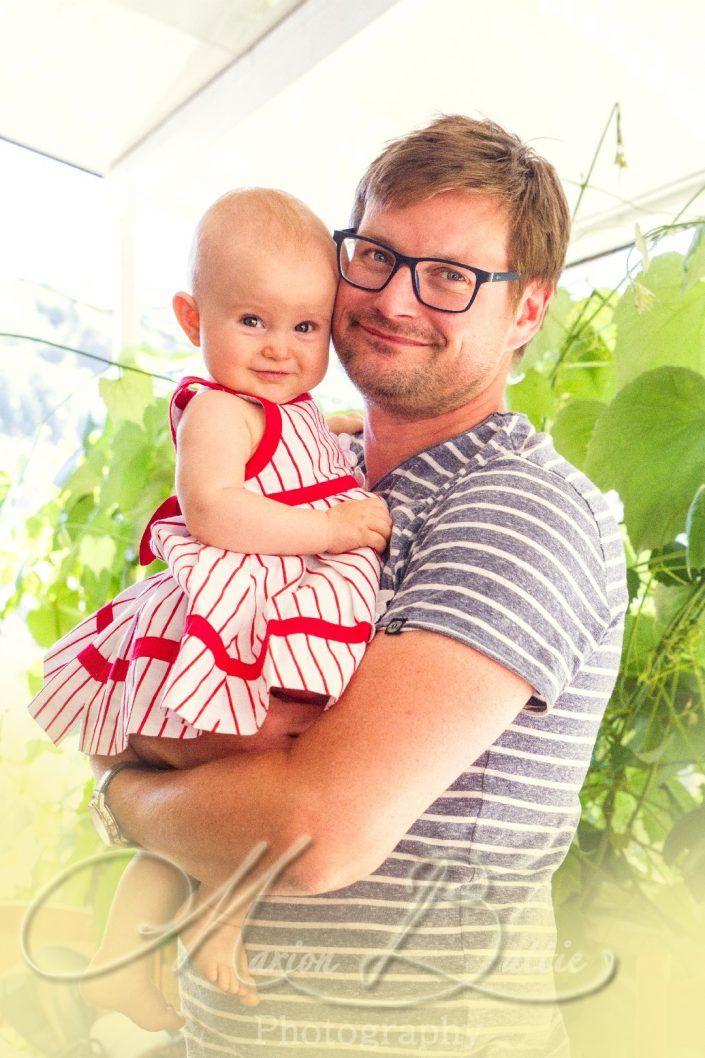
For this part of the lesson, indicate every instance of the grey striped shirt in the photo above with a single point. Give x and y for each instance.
(447, 947)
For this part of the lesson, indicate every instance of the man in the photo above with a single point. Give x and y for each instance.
(441, 792)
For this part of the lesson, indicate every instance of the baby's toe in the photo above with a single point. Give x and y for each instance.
(224, 981)
(250, 999)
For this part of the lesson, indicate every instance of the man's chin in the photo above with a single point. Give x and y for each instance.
(398, 395)
(371, 383)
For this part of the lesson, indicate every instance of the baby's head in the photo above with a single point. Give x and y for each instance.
(263, 280)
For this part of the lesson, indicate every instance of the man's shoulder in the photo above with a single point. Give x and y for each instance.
(522, 468)
(521, 504)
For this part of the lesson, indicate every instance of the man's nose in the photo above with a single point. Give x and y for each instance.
(398, 297)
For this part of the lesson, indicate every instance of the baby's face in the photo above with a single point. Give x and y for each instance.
(265, 319)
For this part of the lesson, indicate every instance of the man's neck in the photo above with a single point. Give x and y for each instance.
(390, 439)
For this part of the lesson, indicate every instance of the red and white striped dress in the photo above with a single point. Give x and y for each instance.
(199, 646)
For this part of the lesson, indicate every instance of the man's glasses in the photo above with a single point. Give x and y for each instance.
(448, 286)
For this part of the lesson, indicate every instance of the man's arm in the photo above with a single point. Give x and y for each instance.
(418, 711)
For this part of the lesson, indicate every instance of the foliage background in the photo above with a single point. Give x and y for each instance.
(618, 379)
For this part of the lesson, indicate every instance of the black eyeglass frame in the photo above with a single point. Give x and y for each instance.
(401, 259)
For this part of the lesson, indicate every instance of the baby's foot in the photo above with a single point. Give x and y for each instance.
(131, 991)
(222, 960)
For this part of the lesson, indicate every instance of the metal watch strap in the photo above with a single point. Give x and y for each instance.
(99, 800)
(108, 776)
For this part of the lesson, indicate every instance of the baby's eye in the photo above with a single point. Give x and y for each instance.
(251, 321)
(305, 327)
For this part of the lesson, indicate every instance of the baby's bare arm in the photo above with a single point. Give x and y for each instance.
(217, 435)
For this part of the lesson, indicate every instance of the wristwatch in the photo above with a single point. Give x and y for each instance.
(103, 819)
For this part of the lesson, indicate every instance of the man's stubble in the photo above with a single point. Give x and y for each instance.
(409, 391)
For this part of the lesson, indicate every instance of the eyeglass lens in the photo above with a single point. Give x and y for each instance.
(440, 285)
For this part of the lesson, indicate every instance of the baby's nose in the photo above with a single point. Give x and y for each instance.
(276, 348)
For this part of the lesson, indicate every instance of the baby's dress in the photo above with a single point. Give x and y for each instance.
(199, 646)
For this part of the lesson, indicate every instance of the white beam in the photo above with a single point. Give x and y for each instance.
(126, 329)
(304, 38)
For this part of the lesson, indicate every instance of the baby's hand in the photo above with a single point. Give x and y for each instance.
(345, 422)
(358, 523)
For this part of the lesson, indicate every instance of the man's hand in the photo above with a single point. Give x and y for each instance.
(358, 523)
(345, 422)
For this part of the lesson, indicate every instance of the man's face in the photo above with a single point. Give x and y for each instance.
(419, 362)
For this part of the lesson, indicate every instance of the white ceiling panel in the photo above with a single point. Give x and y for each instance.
(181, 99)
(549, 70)
(233, 25)
(85, 80)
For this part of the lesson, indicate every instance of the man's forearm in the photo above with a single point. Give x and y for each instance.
(182, 815)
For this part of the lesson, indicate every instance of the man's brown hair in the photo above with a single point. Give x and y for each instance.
(456, 153)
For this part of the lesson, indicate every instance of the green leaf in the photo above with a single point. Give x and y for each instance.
(668, 564)
(126, 397)
(568, 880)
(156, 422)
(669, 601)
(77, 515)
(649, 445)
(633, 583)
(532, 395)
(97, 552)
(694, 263)
(688, 833)
(573, 429)
(668, 328)
(34, 683)
(129, 468)
(695, 530)
(622, 811)
(587, 373)
(44, 625)
(83, 480)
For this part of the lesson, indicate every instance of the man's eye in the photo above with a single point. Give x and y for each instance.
(372, 255)
(251, 321)
(450, 275)
(305, 327)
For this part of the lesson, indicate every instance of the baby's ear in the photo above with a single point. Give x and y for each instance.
(186, 312)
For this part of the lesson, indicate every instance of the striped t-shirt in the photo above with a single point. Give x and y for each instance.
(447, 947)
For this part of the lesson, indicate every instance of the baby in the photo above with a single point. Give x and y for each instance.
(272, 551)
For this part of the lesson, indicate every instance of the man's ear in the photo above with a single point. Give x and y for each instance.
(531, 311)
(186, 312)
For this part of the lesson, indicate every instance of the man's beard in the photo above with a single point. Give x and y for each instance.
(409, 391)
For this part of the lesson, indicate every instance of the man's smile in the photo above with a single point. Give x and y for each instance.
(393, 339)
(379, 328)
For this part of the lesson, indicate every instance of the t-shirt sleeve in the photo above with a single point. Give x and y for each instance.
(513, 566)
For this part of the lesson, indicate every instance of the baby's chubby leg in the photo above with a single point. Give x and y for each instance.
(150, 892)
(216, 948)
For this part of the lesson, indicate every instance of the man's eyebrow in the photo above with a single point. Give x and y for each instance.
(441, 255)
